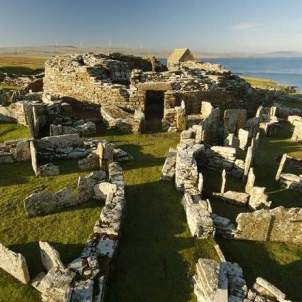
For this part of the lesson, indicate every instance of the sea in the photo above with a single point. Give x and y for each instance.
(282, 70)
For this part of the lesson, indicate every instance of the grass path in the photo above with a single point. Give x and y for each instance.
(157, 255)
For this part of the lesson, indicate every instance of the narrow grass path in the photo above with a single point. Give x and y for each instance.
(157, 254)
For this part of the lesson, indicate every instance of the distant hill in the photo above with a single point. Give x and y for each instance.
(50, 50)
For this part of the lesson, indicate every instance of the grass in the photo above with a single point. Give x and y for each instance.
(156, 251)
(265, 83)
(21, 65)
(280, 263)
(11, 131)
(157, 255)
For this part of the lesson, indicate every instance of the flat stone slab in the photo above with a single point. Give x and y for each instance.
(233, 197)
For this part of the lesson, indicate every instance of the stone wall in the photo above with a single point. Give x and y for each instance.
(221, 282)
(278, 224)
(14, 150)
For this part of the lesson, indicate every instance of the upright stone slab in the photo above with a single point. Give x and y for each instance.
(206, 109)
(14, 264)
(210, 126)
(222, 190)
(259, 112)
(105, 153)
(34, 158)
(200, 182)
(36, 121)
(297, 133)
(272, 111)
(234, 119)
(231, 141)
(50, 257)
(181, 122)
(243, 136)
(28, 114)
(248, 161)
(281, 165)
(250, 181)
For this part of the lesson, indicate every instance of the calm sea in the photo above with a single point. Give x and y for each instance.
(283, 70)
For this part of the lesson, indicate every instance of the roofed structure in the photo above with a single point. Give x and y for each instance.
(179, 55)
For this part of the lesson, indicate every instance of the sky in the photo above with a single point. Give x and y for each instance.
(256, 26)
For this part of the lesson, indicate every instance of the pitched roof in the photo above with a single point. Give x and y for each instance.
(179, 53)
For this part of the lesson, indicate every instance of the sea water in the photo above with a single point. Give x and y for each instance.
(282, 70)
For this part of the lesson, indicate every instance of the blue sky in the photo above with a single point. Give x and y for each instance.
(213, 25)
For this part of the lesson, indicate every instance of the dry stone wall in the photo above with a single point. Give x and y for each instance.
(278, 224)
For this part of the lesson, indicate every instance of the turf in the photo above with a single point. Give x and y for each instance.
(156, 256)
(11, 131)
(21, 65)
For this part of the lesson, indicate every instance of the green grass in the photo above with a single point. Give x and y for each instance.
(21, 64)
(265, 83)
(11, 131)
(156, 256)
(279, 263)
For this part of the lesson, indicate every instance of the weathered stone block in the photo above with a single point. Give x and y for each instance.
(14, 264)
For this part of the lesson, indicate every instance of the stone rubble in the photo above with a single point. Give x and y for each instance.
(198, 213)
(221, 282)
(168, 170)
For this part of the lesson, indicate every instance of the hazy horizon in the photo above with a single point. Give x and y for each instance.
(234, 26)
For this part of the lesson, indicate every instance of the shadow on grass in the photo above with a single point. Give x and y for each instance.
(151, 264)
(31, 252)
(16, 173)
(20, 70)
(257, 260)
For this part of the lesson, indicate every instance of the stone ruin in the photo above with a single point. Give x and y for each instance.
(216, 114)
(127, 93)
(278, 224)
(224, 281)
(85, 278)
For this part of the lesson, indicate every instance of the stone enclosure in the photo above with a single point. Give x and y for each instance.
(220, 123)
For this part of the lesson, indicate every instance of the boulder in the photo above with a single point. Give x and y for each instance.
(86, 185)
(22, 151)
(101, 190)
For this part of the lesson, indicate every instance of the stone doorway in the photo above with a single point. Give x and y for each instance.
(154, 110)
